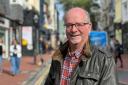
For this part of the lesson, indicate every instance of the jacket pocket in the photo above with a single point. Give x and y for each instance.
(89, 75)
(88, 78)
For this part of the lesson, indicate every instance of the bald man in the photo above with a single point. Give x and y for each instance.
(76, 62)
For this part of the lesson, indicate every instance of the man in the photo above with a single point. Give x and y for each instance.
(76, 62)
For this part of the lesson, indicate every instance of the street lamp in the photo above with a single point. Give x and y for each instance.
(57, 16)
(36, 19)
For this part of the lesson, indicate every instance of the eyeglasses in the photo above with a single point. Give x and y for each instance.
(77, 25)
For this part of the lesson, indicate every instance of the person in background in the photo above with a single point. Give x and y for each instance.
(1, 54)
(42, 45)
(76, 62)
(118, 52)
(15, 53)
(112, 45)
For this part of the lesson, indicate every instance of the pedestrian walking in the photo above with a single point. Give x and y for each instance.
(118, 52)
(1, 54)
(76, 62)
(112, 45)
(42, 45)
(15, 53)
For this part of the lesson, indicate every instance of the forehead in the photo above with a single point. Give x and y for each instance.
(75, 15)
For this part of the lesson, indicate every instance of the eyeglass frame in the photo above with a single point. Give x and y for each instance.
(77, 25)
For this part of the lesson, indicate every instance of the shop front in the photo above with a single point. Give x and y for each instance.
(4, 33)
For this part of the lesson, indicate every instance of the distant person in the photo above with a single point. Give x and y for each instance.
(47, 43)
(112, 45)
(15, 53)
(118, 52)
(1, 55)
(42, 45)
(76, 62)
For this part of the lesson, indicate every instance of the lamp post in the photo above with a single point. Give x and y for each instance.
(58, 26)
(36, 19)
(57, 20)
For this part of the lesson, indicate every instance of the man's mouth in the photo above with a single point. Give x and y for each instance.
(74, 35)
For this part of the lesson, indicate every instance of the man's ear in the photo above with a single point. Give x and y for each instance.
(90, 27)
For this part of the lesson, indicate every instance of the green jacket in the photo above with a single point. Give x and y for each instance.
(97, 67)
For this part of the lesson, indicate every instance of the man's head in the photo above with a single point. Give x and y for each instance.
(78, 25)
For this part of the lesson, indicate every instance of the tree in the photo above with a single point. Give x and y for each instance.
(86, 4)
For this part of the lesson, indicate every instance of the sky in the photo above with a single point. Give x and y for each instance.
(60, 9)
(61, 12)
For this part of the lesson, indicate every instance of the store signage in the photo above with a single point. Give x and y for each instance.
(27, 39)
(98, 38)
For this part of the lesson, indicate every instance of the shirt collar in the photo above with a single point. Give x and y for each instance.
(76, 53)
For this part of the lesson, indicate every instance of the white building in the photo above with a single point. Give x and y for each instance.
(101, 10)
(124, 11)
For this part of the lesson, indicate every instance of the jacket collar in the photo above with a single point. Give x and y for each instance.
(61, 52)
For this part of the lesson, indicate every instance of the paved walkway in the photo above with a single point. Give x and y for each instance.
(28, 69)
(122, 73)
(40, 77)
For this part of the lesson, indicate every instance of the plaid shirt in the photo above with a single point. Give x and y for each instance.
(70, 63)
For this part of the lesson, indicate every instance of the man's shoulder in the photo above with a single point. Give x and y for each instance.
(102, 52)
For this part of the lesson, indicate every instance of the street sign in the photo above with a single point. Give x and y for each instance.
(98, 38)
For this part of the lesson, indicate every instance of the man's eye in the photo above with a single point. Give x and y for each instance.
(78, 24)
(68, 25)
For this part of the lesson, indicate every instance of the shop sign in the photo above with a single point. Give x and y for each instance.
(27, 37)
(98, 38)
(4, 22)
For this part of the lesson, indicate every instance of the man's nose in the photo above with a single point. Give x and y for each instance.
(74, 28)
